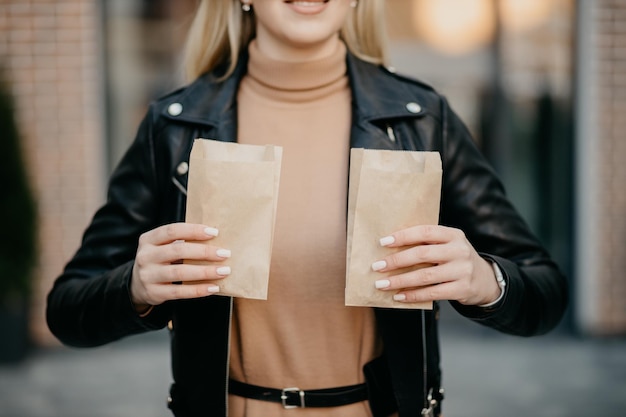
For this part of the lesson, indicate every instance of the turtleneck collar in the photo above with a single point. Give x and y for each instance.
(296, 82)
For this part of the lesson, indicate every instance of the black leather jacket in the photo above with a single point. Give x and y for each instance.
(90, 303)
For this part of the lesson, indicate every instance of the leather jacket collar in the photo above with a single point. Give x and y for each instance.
(213, 104)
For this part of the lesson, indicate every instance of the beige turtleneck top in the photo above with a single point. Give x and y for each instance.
(303, 335)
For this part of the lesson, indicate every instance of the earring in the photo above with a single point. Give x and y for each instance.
(354, 3)
(245, 7)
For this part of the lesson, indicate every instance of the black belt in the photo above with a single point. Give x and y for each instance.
(297, 398)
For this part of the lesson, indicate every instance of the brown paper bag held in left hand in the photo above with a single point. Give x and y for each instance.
(234, 188)
(389, 191)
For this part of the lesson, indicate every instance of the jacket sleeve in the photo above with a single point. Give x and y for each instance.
(473, 200)
(90, 302)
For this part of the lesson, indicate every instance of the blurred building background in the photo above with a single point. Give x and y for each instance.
(540, 83)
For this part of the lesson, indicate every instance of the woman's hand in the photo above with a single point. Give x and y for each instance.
(451, 267)
(158, 270)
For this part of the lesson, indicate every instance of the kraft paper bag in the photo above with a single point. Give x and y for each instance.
(234, 188)
(388, 191)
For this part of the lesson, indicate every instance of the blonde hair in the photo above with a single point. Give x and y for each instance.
(220, 30)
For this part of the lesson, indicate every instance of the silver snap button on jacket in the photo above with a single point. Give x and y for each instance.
(413, 107)
(175, 109)
(182, 168)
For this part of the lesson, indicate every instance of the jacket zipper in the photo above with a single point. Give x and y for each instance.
(180, 186)
(425, 362)
(390, 134)
(230, 326)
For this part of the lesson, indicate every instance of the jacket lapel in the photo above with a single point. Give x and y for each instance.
(378, 100)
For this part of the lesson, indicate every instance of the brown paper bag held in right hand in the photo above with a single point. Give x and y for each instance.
(389, 191)
(234, 188)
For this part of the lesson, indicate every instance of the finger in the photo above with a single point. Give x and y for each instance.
(422, 234)
(167, 292)
(178, 231)
(423, 277)
(184, 273)
(182, 250)
(426, 294)
(416, 255)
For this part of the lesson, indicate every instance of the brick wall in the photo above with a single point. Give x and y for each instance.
(611, 84)
(601, 289)
(51, 51)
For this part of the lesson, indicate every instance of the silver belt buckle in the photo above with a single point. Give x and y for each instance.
(284, 397)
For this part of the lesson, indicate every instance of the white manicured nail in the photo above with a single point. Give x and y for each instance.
(378, 265)
(223, 270)
(211, 231)
(223, 253)
(213, 289)
(387, 240)
(399, 297)
(382, 283)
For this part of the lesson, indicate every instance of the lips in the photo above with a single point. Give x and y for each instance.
(307, 7)
(306, 3)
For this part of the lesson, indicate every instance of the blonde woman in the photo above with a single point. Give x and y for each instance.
(307, 75)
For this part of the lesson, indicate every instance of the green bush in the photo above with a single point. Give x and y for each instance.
(18, 245)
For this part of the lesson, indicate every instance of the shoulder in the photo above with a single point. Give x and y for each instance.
(411, 82)
(200, 86)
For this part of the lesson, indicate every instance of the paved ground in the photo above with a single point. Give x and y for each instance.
(485, 374)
